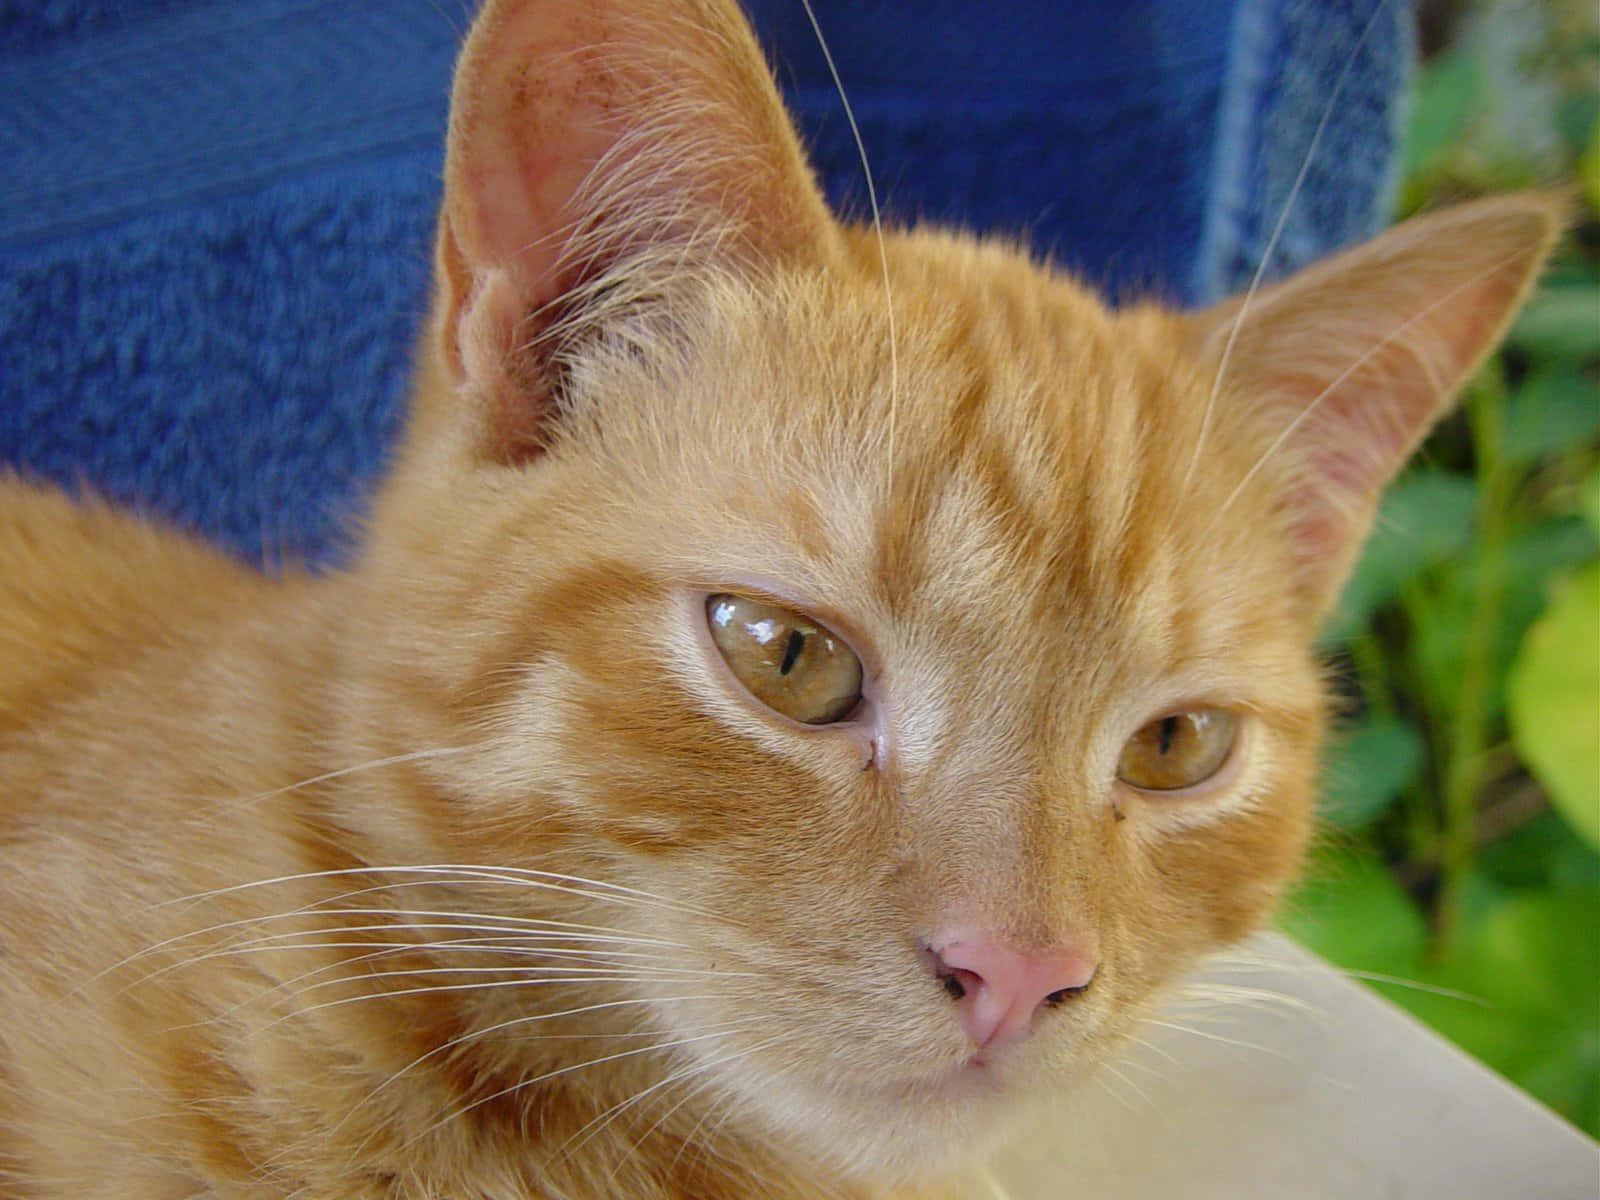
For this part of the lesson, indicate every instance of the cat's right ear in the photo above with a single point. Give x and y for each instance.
(597, 149)
(1335, 375)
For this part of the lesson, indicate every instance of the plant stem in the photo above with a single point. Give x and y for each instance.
(1470, 716)
(1371, 665)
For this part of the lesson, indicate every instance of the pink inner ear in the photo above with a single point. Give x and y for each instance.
(1353, 360)
(524, 135)
(582, 133)
(536, 109)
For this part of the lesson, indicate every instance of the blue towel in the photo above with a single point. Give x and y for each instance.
(215, 219)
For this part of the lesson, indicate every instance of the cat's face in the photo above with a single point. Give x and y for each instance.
(1027, 584)
(1049, 729)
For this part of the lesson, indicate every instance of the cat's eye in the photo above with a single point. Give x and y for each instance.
(786, 660)
(1179, 750)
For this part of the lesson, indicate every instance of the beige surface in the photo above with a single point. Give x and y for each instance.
(1332, 1093)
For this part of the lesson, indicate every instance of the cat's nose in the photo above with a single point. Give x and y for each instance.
(999, 990)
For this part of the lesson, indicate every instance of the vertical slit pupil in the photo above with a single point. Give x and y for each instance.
(791, 651)
(1169, 730)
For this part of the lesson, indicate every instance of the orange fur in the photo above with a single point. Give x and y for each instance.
(367, 885)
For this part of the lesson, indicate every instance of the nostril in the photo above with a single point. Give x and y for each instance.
(958, 982)
(1062, 995)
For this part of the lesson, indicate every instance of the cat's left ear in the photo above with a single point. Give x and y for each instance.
(598, 151)
(1334, 376)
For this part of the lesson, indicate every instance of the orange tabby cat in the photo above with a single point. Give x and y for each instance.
(799, 698)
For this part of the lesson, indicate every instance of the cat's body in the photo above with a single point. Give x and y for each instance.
(478, 871)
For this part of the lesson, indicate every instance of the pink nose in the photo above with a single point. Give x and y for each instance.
(998, 990)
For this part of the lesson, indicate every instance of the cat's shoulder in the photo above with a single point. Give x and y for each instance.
(83, 586)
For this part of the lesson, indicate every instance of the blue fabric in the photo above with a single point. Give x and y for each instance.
(215, 218)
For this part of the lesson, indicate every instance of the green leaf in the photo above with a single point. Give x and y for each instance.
(1555, 409)
(1589, 501)
(1542, 853)
(1570, 270)
(1562, 323)
(1554, 545)
(1446, 97)
(1443, 640)
(1425, 518)
(1589, 168)
(1553, 702)
(1370, 762)
(1350, 910)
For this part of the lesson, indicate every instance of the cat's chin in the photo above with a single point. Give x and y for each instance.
(912, 1135)
(904, 1130)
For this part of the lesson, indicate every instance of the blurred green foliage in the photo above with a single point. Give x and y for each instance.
(1460, 867)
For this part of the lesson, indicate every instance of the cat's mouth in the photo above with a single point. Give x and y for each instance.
(981, 1075)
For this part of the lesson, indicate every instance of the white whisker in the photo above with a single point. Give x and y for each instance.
(1195, 1031)
(1415, 986)
(992, 1185)
(501, 1026)
(456, 872)
(1237, 996)
(1128, 1083)
(554, 1074)
(541, 973)
(554, 979)
(1272, 244)
(577, 1140)
(509, 926)
(390, 761)
(1104, 1084)
(495, 946)
(524, 931)
(1149, 1046)
(877, 230)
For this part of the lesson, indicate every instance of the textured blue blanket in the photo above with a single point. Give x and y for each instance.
(215, 218)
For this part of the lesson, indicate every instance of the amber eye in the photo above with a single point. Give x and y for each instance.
(789, 662)
(1178, 751)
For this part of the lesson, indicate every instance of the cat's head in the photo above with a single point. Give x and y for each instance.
(929, 642)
